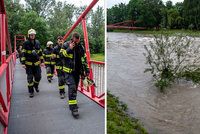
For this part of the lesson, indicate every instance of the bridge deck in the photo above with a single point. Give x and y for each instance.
(46, 113)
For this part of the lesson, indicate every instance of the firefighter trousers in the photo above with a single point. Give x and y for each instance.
(61, 81)
(49, 71)
(72, 80)
(33, 77)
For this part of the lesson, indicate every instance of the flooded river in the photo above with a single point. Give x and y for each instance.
(175, 112)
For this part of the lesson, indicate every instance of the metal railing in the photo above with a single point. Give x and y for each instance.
(6, 85)
(96, 92)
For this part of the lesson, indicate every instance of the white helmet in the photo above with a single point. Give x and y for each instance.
(49, 43)
(31, 31)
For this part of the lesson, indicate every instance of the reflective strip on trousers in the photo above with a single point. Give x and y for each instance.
(30, 84)
(47, 62)
(62, 87)
(72, 102)
(23, 58)
(41, 57)
(28, 51)
(67, 70)
(48, 55)
(36, 82)
(58, 67)
(31, 63)
(53, 63)
(49, 74)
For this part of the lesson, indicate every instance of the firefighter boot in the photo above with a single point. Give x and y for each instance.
(49, 79)
(31, 92)
(75, 113)
(62, 94)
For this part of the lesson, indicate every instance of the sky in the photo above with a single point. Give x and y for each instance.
(79, 3)
(111, 3)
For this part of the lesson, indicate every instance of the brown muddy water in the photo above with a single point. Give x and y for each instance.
(175, 112)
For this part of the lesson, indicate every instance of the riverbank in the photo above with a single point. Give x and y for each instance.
(118, 121)
(156, 32)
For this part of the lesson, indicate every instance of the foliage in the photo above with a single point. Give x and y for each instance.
(41, 7)
(97, 43)
(156, 14)
(192, 13)
(32, 20)
(118, 121)
(171, 58)
(51, 19)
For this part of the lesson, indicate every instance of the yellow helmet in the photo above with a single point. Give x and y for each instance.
(31, 31)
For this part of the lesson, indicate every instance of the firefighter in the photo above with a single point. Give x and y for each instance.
(49, 60)
(74, 66)
(59, 66)
(31, 60)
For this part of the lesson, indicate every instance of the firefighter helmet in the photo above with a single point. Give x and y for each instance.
(31, 31)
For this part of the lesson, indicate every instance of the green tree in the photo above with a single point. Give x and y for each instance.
(192, 13)
(14, 12)
(41, 7)
(96, 31)
(117, 13)
(60, 20)
(32, 20)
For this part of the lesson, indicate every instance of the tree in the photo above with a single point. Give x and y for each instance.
(14, 12)
(60, 20)
(117, 13)
(192, 13)
(41, 7)
(32, 20)
(169, 4)
(96, 31)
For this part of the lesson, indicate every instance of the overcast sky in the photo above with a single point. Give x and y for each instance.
(79, 2)
(110, 3)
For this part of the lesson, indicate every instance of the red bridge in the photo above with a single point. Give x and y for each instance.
(46, 113)
(125, 25)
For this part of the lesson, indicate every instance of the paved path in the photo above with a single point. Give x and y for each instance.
(46, 113)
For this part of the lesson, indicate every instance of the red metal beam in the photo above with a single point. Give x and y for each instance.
(80, 18)
(3, 37)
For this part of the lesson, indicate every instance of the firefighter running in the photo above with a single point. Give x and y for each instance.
(74, 66)
(49, 60)
(31, 60)
(59, 66)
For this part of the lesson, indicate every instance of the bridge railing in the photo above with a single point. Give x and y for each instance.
(8, 61)
(6, 85)
(96, 92)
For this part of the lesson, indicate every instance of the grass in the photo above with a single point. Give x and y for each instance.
(162, 31)
(118, 121)
(98, 57)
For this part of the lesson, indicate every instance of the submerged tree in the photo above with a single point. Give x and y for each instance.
(171, 58)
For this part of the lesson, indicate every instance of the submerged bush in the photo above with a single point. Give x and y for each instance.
(171, 58)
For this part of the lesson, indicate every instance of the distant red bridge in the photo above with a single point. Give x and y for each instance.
(125, 25)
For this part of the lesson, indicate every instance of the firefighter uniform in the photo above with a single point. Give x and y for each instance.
(49, 62)
(59, 68)
(74, 65)
(31, 58)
